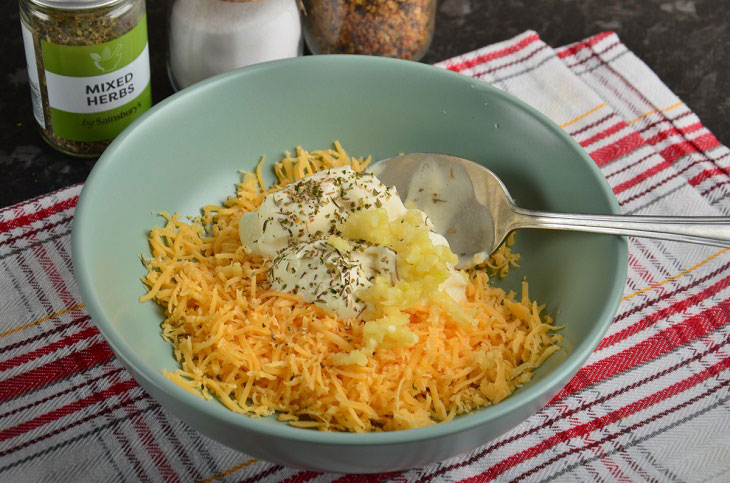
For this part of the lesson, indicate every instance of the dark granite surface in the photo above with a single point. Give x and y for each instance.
(686, 43)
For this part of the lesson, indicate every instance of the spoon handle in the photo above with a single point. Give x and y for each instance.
(708, 230)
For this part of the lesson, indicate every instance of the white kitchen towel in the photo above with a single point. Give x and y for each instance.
(651, 404)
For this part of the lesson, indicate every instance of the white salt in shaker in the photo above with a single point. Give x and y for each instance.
(209, 37)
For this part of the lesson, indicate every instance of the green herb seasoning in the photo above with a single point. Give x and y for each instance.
(88, 68)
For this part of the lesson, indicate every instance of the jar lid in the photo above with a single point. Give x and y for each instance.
(75, 4)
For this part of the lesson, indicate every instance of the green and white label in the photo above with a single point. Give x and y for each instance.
(95, 91)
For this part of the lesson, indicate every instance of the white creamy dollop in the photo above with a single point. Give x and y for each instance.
(330, 277)
(314, 207)
(298, 229)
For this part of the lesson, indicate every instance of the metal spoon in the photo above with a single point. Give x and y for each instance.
(470, 206)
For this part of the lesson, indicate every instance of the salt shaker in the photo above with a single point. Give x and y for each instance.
(209, 37)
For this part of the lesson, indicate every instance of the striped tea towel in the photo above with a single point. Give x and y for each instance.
(651, 404)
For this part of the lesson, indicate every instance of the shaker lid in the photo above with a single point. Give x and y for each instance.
(75, 4)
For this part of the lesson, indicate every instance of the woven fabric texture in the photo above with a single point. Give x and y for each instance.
(651, 404)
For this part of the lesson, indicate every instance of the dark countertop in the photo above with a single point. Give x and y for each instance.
(685, 42)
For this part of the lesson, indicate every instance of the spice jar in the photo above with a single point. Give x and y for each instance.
(390, 28)
(88, 69)
(209, 37)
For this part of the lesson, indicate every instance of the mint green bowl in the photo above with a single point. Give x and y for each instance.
(188, 150)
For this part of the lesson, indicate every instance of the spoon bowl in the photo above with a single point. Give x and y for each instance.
(455, 193)
(470, 206)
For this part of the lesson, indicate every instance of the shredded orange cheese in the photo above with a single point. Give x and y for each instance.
(261, 352)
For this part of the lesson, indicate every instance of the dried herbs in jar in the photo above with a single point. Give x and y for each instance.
(88, 68)
(390, 28)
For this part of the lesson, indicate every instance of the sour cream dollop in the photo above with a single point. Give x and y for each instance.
(314, 207)
(331, 276)
(298, 229)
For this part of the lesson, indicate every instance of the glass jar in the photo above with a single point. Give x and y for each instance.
(88, 69)
(390, 28)
(209, 37)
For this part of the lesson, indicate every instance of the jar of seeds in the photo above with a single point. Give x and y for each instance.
(390, 28)
(88, 69)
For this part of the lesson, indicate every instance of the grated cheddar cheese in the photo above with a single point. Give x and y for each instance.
(262, 352)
